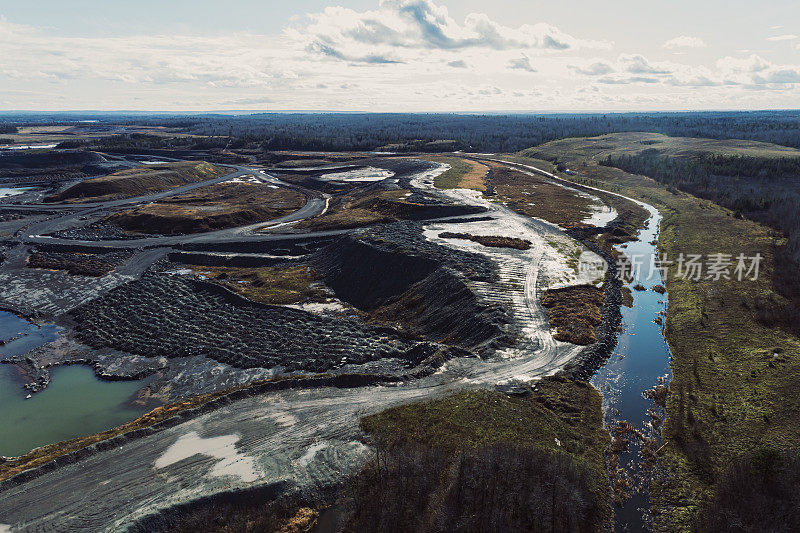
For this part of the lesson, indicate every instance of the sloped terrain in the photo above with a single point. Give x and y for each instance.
(170, 316)
(139, 181)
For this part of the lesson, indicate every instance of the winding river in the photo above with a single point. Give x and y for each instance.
(640, 359)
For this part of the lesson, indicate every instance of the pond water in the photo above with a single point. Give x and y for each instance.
(13, 191)
(75, 404)
(640, 359)
(20, 336)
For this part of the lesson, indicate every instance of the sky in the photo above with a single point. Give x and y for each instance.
(399, 55)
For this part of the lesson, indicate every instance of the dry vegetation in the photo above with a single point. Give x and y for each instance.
(483, 461)
(270, 285)
(139, 181)
(213, 207)
(574, 312)
(533, 196)
(462, 174)
(735, 377)
(493, 241)
(355, 210)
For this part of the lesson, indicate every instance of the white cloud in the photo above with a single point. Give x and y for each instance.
(597, 68)
(637, 64)
(401, 29)
(684, 41)
(521, 63)
(788, 37)
(407, 55)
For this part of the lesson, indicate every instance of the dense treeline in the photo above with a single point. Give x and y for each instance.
(495, 133)
(7, 128)
(763, 189)
(482, 133)
(493, 488)
(756, 493)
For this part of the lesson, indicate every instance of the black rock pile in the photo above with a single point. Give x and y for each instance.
(171, 316)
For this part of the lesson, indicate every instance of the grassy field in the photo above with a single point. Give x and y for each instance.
(734, 386)
(462, 174)
(224, 205)
(561, 417)
(597, 148)
(139, 181)
(270, 285)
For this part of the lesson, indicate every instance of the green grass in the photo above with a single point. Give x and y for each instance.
(729, 395)
(559, 408)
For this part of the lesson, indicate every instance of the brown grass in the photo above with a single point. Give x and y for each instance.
(303, 521)
(535, 197)
(354, 211)
(139, 181)
(574, 312)
(493, 241)
(213, 207)
(271, 285)
(462, 174)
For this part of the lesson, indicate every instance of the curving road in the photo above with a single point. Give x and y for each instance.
(36, 233)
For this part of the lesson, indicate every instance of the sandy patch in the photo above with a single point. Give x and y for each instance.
(361, 174)
(230, 461)
(311, 452)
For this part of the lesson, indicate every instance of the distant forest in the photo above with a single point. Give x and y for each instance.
(481, 133)
(763, 189)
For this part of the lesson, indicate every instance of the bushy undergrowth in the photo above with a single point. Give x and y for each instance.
(499, 487)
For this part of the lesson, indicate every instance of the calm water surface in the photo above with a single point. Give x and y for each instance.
(75, 403)
(641, 357)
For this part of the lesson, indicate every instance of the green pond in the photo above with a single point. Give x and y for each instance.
(75, 404)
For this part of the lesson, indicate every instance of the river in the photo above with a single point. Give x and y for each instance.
(640, 359)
